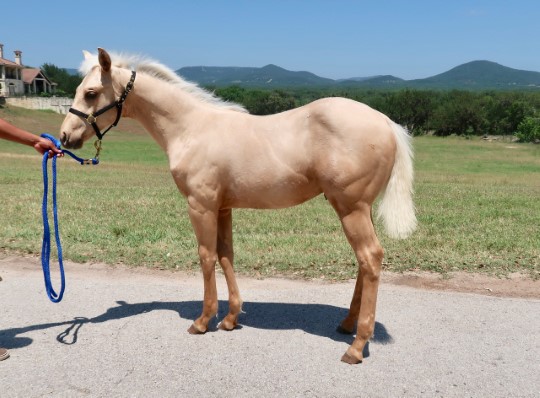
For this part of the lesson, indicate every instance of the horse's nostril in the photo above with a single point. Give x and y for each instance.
(63, 138)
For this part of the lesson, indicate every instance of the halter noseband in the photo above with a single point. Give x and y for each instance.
(91, 118)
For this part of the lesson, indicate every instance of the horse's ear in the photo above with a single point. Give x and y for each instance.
(104, 60)
(86, 54)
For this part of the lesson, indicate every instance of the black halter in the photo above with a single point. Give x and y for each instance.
(91, 118)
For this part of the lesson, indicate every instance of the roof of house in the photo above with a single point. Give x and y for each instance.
(7, 62)
(29, 74)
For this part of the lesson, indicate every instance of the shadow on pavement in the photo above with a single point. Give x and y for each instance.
(317, 319)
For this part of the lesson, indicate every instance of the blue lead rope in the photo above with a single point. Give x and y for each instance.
(46, 247)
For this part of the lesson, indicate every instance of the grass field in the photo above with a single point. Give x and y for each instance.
(478, 208)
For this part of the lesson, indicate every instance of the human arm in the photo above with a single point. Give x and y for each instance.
(15, 134)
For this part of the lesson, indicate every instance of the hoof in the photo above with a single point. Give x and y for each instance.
(342, 330)
(350, 359)
(193, 330)
(227, 326)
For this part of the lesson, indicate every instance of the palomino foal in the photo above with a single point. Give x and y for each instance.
(222, 158)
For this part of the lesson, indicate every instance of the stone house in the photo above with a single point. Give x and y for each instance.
(16, 79)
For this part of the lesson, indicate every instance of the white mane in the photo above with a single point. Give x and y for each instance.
(153, 68)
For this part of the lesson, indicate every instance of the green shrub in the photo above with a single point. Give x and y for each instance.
(529, 130)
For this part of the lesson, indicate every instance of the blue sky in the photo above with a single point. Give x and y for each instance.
(336, 39)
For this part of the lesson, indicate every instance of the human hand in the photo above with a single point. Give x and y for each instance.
(44, 145)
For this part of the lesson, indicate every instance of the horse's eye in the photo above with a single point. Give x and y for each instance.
(89, 95)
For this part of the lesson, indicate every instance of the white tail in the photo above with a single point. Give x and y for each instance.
(396, 208)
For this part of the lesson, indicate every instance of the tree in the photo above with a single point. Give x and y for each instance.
(410, 108)
(458, 113)
(67, 84)
(503, 112)
(235, 94)
(529, 130)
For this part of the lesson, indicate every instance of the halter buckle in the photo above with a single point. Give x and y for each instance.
(91, 119)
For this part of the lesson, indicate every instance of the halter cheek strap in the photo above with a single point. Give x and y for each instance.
(91, 118)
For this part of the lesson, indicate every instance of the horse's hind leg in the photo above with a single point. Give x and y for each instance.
(359, 230)
(347, 326)
(225, 257)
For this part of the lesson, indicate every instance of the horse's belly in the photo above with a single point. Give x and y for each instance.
(261, 195)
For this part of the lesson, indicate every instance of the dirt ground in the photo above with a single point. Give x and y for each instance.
(514, 285)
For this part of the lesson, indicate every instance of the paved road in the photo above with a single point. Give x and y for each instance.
(121, 333)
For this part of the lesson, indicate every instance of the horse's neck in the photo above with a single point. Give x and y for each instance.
(161, 108)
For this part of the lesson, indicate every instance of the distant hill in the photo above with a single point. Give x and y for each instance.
(72, 71)
(376, 81)
(472, 75)
(267, 76)
(482, 74)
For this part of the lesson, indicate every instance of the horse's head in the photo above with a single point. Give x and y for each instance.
(95, 93)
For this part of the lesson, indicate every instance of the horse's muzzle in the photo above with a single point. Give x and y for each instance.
(68, 142)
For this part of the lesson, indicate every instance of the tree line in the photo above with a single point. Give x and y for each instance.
(422, 111)
(66, 83)
(435, 112)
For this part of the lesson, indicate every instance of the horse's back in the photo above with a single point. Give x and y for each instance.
(344, 118)
(329, 145)
(330, 126)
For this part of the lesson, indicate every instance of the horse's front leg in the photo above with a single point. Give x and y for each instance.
(225, 257)
(204, 223)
